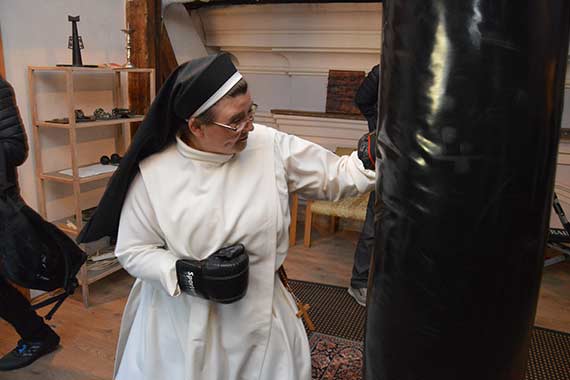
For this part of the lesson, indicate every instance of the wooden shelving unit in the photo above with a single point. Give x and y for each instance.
(72, 225)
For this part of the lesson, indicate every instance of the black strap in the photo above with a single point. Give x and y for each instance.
(560, 212)
(58, 300)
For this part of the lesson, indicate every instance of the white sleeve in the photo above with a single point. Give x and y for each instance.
(140, 246)
(317, 173)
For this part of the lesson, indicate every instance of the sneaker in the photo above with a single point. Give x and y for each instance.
(27, 352)
(359, 295)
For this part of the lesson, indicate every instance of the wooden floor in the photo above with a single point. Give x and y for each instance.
(89, 335)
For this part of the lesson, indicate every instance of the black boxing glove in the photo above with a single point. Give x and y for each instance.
(221, 277)
(367, 150)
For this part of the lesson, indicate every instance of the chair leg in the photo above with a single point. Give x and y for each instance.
(333, 224)
(308, 221)
(84, 285)
(293, 226)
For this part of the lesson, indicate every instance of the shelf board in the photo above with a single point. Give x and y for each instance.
(89, 69)
(90, 124)
(55, 176)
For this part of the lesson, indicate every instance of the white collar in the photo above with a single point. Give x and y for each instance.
(198, 155)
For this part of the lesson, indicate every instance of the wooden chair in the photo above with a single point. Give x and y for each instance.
(342, 86)
(348, 208)
(293, 225)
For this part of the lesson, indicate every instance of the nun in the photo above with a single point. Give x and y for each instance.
(199, 207)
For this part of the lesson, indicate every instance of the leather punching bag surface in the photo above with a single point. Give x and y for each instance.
(470, 109)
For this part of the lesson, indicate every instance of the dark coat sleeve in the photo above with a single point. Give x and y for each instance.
(13, 139)
(367, 97)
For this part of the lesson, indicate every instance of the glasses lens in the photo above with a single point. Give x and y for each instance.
(249, 119)
(240, 127)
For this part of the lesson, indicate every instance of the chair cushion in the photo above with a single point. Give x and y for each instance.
(350, 208)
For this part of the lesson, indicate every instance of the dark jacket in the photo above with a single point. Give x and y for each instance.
(13, 142)
(367, 97)
(34, 253)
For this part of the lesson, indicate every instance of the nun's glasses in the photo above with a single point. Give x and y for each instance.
(239, 126)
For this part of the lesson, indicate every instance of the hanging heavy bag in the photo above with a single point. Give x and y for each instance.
(34, 253)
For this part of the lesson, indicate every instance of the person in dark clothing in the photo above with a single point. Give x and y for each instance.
(367, 101)
(38, 338)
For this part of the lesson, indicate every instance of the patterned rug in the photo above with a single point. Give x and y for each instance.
(334, 358)
(337, 348)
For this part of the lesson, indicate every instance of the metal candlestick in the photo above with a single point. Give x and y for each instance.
(128, 32)
(75, 41)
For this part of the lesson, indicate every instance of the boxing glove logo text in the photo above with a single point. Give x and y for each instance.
(190, 282)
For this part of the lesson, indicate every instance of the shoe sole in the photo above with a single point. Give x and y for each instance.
(363, 304)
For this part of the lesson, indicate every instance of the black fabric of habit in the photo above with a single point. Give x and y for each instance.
(471, 100)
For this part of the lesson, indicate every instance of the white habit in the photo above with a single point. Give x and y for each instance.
(187, 203)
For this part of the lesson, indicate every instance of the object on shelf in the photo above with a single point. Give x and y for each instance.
(128, 32)
(62, 120)
(103, 256)
(75, 43)
(114, 160)
(99, 114)
(80, 116)
(91, 170)
(111, 65)
(70, 224)
(101, 265)
(121, 113)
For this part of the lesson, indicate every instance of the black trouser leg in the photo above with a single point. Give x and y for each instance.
(18, 312)
(364, 248)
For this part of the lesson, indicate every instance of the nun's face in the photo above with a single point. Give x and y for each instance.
(233, 112)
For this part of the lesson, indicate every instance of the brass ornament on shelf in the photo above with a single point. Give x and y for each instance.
(128, 32)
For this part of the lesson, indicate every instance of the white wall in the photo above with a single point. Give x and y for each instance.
(35, 33)
(285, 51)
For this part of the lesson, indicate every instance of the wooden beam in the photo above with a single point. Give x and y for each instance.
(166, 57)
(151, 47)
(143, 16)
(2, 67)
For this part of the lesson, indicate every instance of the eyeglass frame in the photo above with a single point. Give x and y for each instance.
(241, 125)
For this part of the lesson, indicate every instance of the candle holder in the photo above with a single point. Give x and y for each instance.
(128, 32)
(75, 43)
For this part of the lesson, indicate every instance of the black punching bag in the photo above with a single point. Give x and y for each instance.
(470, 109)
